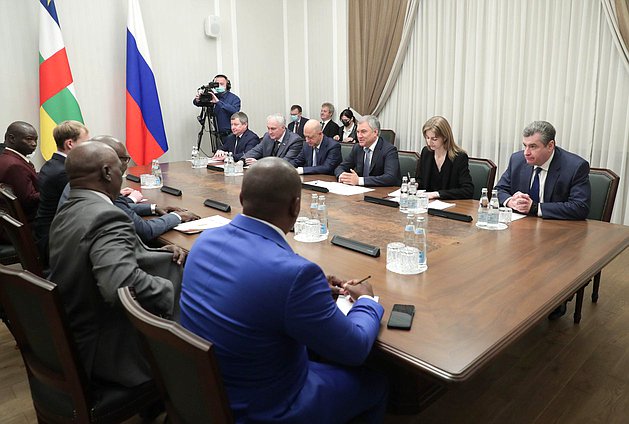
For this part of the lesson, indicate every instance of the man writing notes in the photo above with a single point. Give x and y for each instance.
(544, 180)
(263, 317)
(373, 161)
(320, 154)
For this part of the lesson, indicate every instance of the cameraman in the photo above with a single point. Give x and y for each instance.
(223, 102)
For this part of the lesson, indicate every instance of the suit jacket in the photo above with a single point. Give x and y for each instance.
(328, 157)
(93, 252)
(289, 147)
(384, 169)
(566, 190)
(247, 141)
(51, 180)
(456, 181)
(228, 104)
(331, 129)
(22, 178)
(300, 128)
(147, 229)
(261, 317)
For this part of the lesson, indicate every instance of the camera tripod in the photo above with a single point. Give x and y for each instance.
(207, 115)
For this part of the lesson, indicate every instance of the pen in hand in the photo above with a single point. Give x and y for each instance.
(360, 281)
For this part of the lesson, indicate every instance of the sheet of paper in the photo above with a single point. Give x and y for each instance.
(515, 216)
(344, 303)
(193, 227)
(339, 188)
(438, 204)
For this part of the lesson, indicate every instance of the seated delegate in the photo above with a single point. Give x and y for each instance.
(444, 167)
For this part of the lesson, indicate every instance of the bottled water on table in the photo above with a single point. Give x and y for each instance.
(412, 196)
(314, 207)
(409, 230)
(483, 208)
(195, 156)
(420, 240)
(493, 214)
(230, 166)
(323, 215)
(156, 171)
(404, 195)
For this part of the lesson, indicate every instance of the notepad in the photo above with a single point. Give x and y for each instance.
(194, 227)
(344, 303)
(340, 188)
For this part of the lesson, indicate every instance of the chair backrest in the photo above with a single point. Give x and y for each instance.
(21, 238)
(483, 172)
(388, 136)
(39, 325)
(184, 367)
(11, 205)
(346, 148)
(604, 183)
(409, 163)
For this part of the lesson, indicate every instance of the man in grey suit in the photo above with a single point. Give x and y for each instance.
(93, 251)
(276, 142)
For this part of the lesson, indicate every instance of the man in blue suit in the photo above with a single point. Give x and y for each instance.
(373, 161)
(263, 306)
(240, 141)
(320, 154)
(276, 142)
(544, 180)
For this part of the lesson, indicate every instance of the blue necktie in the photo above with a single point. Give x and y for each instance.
(534, 192)
(314, 156)
(367, 161)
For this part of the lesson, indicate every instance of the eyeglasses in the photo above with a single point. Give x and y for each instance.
(124, 159)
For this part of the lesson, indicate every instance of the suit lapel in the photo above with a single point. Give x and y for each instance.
(552, 176)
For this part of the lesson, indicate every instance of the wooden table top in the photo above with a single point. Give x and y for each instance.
(482, 290)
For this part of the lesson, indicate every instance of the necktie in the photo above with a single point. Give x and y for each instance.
(236, 144)
(314, 156)
(322, 125)
(276, 145)
(296, 127)
(534, 192)
(367, 162)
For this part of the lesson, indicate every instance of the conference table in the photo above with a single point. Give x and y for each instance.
(482, 290)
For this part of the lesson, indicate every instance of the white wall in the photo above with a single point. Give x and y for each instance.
(276, 53)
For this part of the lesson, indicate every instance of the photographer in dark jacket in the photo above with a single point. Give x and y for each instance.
(217, 96)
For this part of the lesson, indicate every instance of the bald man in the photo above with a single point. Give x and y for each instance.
(16, 169)
(265, 310)
(94, 251)
(320, 154)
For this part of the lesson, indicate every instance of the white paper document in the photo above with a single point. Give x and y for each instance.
(515, 216)
(438, 204)
(193, 227)
(340, 188)
(345, 303)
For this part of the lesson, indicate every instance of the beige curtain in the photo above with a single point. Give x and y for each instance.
(375, 30)
(617, 14)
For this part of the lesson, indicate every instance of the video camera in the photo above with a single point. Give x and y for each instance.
(205, 93)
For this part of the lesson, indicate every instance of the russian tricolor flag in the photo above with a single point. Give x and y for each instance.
(146, 138)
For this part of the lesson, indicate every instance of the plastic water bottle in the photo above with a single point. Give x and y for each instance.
(230, 168)
(314, 207)
(323, 215)
(156, 171)
(483, 208)
(404, 195)
(412, 196)
(493, 213)
(420, 240)
(195, 156)
(409, 230)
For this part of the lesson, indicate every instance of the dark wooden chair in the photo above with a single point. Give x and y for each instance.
(21, 239)
(184, 367)
(604, 183)
(483, 173)
(8, 254)
(59, 387)
(409, 163)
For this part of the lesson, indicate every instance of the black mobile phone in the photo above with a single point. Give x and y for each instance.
(401, 317)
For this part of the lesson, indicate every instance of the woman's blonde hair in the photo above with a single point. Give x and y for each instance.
(441, 127)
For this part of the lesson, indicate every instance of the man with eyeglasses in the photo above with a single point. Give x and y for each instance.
(52, 179)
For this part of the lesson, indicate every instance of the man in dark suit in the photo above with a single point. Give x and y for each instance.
(93, 252)
(262, 317)
(320, 154)
(240, 141)
(544, 180)
(16, 170)
(53, 178)
(330, 128)
(223, 103)
(297, 121)
(276, 142)
(373, 161)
